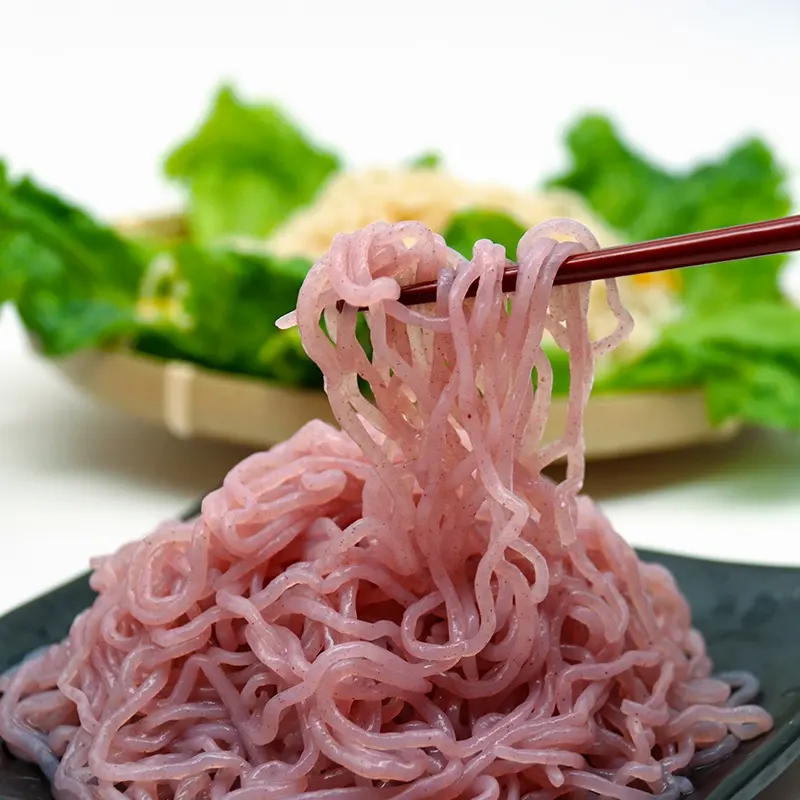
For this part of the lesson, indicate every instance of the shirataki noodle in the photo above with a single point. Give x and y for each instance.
(407, 608)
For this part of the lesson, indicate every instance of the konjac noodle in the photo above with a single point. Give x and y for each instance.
(408, 607)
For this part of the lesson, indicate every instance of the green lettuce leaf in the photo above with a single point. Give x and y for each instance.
(644, 201)
(746, 357)
(247, 168)
(430, 160)
(737, 338)
(467, 227)
(74, 281)
(76, 284)
(230, 301)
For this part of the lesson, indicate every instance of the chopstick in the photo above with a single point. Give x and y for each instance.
(688, 250)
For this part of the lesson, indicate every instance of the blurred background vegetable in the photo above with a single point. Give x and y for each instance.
(263, 200)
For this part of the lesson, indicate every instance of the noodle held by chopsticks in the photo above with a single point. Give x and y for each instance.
(407, 608)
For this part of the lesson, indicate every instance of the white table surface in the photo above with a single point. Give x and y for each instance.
(92, 94)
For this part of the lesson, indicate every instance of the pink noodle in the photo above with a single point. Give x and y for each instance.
(405, 609)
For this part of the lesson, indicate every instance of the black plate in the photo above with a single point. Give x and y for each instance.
(750, 617)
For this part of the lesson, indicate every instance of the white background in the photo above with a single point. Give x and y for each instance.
(92, 94)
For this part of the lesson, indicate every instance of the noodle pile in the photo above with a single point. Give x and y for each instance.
(405, 609)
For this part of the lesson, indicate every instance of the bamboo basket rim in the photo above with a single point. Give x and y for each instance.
(193, 401)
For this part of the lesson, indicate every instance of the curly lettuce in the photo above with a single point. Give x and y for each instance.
(737, 338)
(246, 169)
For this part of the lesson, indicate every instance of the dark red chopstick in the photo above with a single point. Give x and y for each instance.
(689, 250)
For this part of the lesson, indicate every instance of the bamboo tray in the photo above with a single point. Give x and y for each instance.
(191, 401)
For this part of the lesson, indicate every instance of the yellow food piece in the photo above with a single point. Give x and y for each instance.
(669, 279)
(162, 293)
